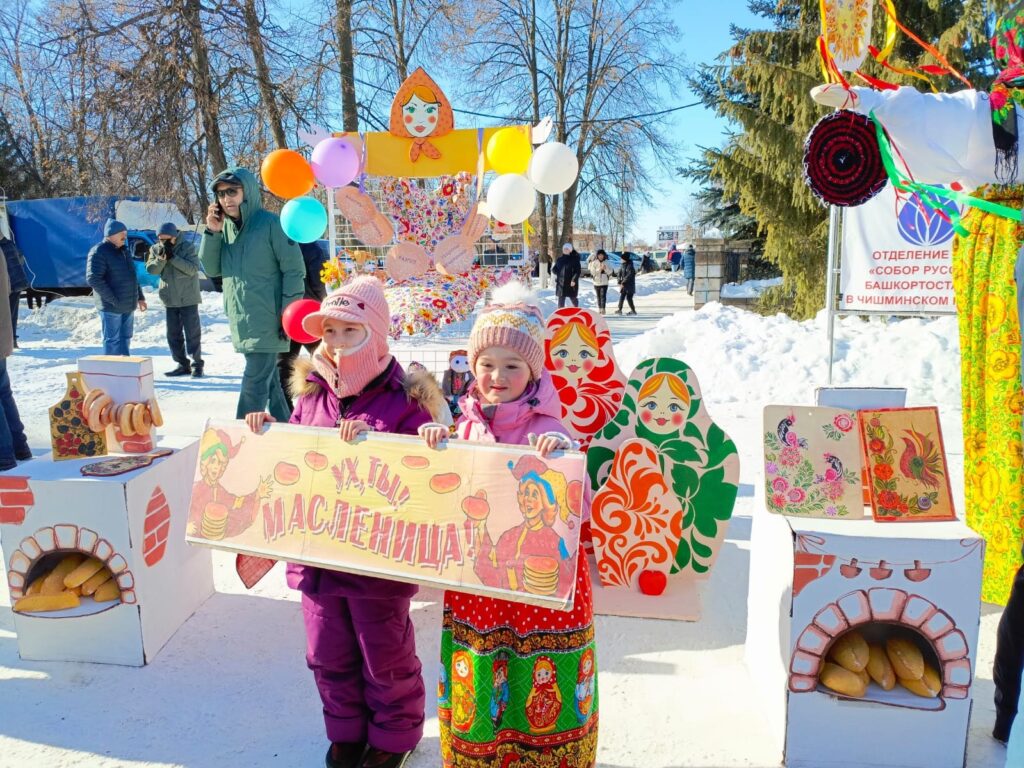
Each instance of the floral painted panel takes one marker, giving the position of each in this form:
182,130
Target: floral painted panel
906,461
812,462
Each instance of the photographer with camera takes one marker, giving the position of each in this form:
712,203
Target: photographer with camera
176,262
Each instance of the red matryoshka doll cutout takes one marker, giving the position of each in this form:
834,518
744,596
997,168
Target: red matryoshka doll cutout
421,112
579,356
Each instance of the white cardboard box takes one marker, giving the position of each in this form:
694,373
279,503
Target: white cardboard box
806,590
126,380
135,522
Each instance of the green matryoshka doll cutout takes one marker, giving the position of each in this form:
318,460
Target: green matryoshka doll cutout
665,478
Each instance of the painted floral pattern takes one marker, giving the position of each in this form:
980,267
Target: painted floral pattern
906,464
993,403
427,216
812,464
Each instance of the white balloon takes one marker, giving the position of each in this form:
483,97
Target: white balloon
553,168
511,198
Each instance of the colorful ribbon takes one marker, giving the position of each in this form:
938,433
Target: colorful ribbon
932,195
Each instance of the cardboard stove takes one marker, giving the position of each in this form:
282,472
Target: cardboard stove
135,524
812,580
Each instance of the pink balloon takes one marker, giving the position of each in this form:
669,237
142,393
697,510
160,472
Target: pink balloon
335,162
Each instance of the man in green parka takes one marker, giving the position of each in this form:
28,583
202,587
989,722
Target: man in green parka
263,273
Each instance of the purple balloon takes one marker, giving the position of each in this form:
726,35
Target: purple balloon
335,162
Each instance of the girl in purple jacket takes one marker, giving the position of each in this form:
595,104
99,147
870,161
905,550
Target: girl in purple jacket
360,642
537,664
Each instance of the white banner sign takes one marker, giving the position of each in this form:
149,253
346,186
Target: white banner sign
897,257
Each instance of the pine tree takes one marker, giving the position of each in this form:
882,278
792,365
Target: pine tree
761,84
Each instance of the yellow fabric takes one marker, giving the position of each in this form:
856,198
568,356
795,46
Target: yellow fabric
983,265
388,155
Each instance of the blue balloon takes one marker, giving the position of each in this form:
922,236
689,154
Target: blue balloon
304,219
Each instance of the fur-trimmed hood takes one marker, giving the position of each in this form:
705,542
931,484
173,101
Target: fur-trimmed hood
420,386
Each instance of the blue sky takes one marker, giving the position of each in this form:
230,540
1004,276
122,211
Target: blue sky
704,34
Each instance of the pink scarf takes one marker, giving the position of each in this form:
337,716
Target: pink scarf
348,373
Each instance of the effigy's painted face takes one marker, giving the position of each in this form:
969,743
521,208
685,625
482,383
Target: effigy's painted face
663,412
420,116
574,358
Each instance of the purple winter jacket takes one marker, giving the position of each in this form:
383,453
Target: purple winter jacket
392,402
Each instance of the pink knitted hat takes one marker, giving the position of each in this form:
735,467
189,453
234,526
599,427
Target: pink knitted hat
359,301
513,322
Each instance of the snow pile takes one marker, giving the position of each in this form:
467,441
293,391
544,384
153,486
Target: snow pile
750,289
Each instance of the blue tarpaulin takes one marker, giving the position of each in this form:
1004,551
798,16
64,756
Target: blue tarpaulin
56,234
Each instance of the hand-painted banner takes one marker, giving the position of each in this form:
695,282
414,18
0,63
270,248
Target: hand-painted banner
489,519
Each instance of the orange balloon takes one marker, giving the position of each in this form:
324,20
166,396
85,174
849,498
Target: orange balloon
287,174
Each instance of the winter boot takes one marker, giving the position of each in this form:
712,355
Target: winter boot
181,370
345,754
378,758
197,370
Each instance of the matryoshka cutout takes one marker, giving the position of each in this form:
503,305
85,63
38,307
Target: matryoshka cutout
420,112
661,453
579,356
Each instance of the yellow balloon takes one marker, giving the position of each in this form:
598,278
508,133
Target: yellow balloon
509,151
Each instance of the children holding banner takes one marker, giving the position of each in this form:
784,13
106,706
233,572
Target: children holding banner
360,642
545,658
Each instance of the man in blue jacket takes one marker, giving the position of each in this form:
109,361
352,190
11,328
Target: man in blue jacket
110,272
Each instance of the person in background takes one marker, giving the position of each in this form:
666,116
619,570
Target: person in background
674,257
314,257
602,272
15,263
110,272
627,284
646,263
567,276
178,266
688,261
13,443
263,273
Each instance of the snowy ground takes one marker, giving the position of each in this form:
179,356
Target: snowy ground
231,687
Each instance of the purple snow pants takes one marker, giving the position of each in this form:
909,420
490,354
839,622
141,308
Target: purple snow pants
363,656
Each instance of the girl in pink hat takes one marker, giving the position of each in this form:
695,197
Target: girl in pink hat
360,642
514,401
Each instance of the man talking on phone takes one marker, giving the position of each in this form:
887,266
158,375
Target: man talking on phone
263,273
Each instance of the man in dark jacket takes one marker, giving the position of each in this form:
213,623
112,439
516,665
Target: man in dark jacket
567,276
627,284
1008,664
263,273
19,280
688,261
110,272
178,266
314,257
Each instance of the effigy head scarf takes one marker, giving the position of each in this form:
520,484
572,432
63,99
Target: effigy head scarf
1007,93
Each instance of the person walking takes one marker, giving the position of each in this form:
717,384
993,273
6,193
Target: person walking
688,261
263,273
15,263
602,272
110,272
567,276
627,284
175,260
674,257
314,257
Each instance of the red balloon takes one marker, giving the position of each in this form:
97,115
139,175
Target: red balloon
293,316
